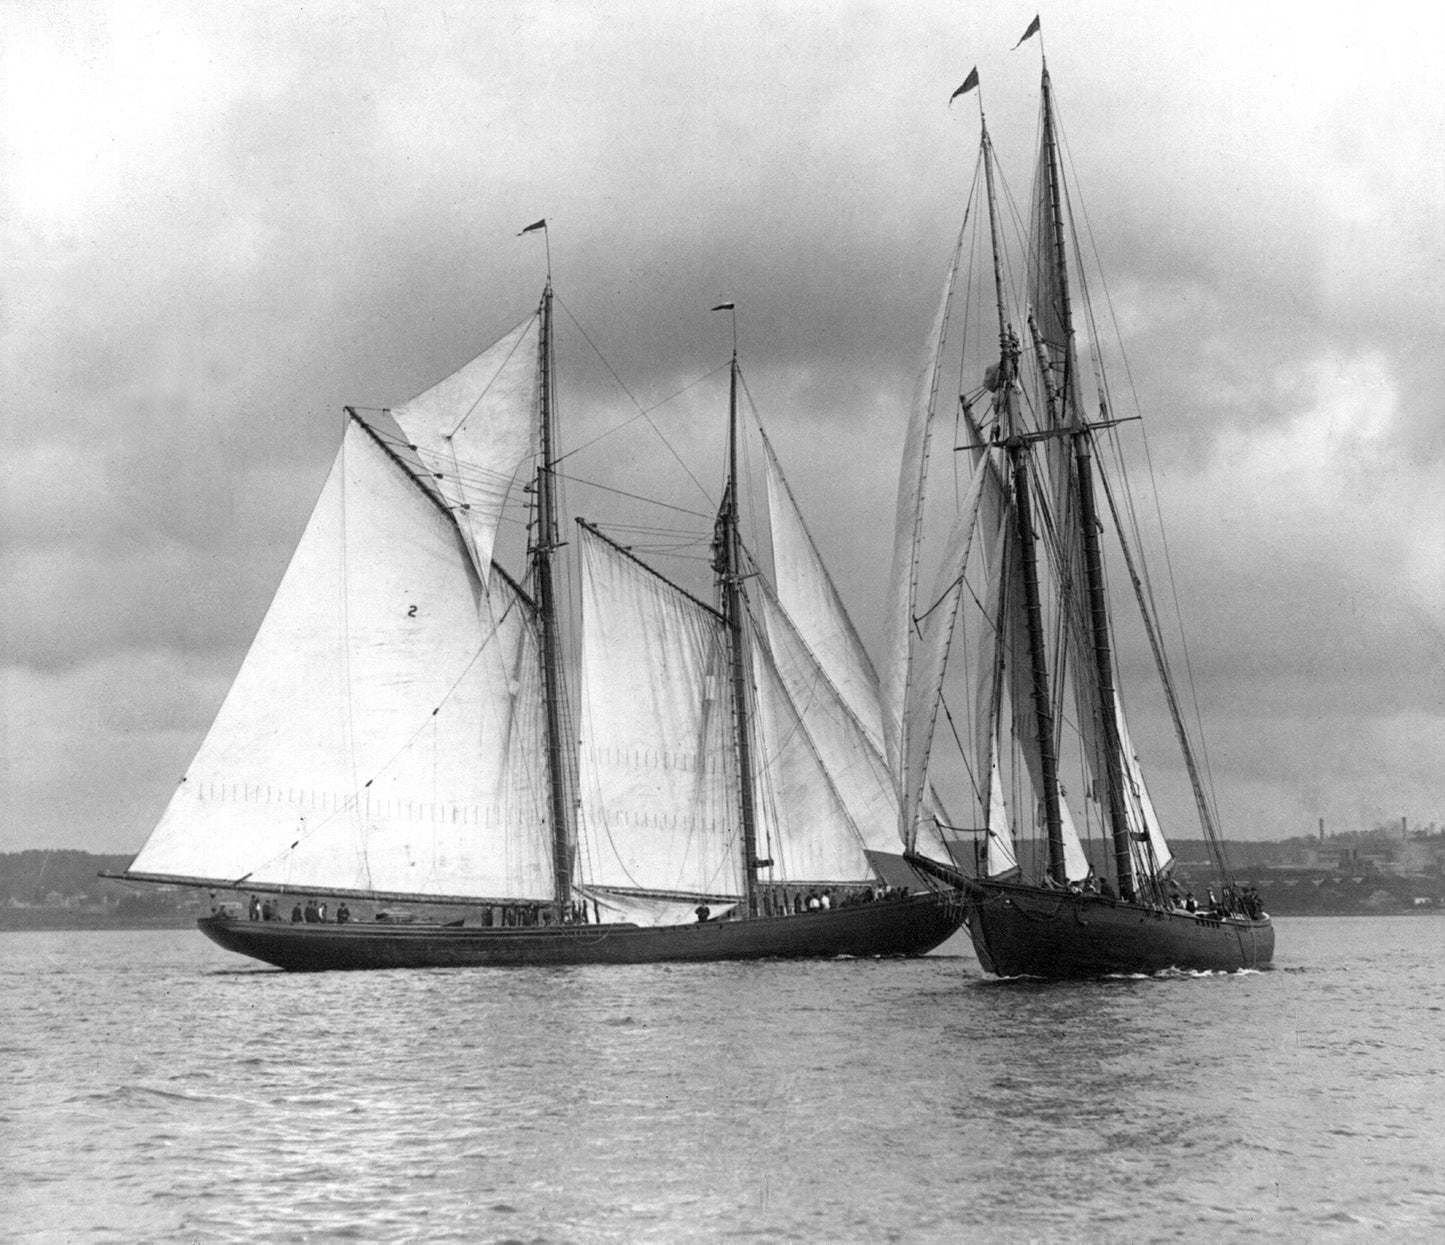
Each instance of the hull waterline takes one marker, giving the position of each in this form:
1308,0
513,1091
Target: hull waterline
903,927
1033,931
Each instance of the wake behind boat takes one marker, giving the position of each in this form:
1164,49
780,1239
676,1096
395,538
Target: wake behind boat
1019,620
402,728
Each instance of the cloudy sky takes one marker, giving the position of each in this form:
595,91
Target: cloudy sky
223,222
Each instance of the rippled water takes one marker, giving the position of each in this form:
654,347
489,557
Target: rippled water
161,1089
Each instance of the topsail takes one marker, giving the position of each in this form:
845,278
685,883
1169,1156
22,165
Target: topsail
475,429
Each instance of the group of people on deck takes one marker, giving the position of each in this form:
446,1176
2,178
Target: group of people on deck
785,901
312,913
1246,902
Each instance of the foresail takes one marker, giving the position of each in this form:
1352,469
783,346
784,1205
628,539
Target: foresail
384,732
659,787
475,429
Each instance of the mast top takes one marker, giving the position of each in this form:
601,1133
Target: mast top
733,309
547,239
970,83
1034,29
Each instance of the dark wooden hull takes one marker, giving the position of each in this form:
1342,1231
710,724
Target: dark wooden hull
1034,931
896,927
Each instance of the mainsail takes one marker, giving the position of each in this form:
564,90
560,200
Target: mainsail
384,732
659,794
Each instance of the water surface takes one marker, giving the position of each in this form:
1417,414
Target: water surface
162,1089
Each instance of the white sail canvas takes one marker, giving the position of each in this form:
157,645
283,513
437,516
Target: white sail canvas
474,431
384,731
659,792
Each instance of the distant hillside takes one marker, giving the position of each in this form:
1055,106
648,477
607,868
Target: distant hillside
28,877
60,889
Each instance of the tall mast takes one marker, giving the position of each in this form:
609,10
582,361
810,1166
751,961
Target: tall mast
544,579
729,568
1028,555
1103,661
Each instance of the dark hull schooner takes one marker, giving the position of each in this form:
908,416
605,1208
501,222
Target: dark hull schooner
896,927
1022,608
1034,931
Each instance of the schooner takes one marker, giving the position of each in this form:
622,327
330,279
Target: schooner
401,730
1020,614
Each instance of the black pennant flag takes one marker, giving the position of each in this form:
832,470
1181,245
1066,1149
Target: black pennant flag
724,307
1031,31
536,224
968,84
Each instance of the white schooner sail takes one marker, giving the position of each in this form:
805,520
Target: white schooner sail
474,431
384,733
394,731
659,785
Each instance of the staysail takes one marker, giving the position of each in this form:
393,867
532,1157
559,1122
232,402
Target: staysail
824,790
807,593
804,829
384,732
830,679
